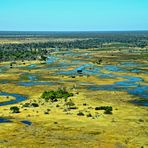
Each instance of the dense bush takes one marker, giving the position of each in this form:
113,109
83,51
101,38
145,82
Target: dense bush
89,115
55,95
108,109
30,104
34,105
104,108
15,109
80,113
32,51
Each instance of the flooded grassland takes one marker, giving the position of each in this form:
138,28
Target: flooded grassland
96,78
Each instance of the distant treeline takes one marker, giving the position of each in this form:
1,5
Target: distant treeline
31,51
72,34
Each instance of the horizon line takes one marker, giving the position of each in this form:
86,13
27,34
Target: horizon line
71,30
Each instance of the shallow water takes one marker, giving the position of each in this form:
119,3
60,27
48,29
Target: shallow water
33,83
31,66
108,76
18,98
131,85
141,91
114,68
52,59
26,122
32,77
87,69
129,64
4,120
59,66
4,81
3,69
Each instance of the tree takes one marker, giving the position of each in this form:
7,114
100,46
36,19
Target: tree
15,109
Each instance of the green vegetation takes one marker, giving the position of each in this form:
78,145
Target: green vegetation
30,105
71,105
53,96
15,109
108,109
87,116
104,108
34,105
33,51
26,105
80,113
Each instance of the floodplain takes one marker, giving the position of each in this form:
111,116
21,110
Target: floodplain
107,108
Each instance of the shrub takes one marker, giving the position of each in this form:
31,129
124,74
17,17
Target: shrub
104,108
80,113
70,103
26,105
89,115
57,105
72,107
108,109
34,105
49,95
15,109
84,104
55,95
46,112
48,109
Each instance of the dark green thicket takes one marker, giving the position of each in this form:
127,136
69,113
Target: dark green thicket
103,108
34,105
30,105
15,109
107,109
80,113
32,51
55,95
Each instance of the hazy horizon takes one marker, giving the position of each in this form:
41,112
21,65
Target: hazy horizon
73,31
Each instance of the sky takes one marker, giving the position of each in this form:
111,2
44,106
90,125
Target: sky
73,15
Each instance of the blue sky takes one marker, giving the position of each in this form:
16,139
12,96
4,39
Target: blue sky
73,15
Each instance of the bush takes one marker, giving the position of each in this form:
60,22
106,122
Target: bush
80,113
57,105
104,108
72,107
26,105
46,112
70,103
73,76
55,95
15,109
34,105
89,115
108,109
84,104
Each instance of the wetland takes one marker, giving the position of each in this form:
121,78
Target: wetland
74,90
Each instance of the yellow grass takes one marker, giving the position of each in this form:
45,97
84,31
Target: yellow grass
126,127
